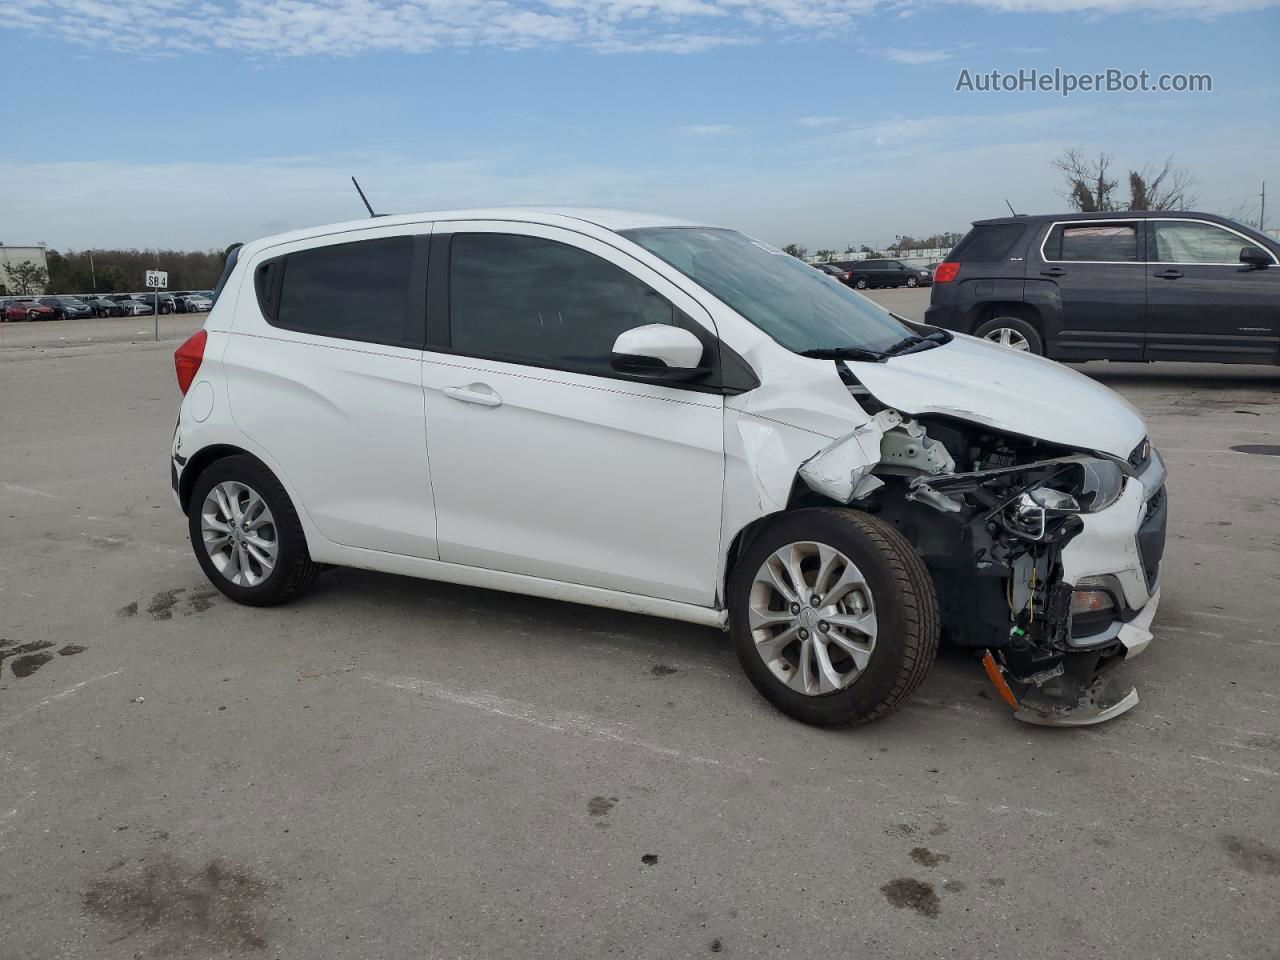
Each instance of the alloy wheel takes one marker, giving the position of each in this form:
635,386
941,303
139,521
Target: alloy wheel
812,618
1008,337
912,282
239,533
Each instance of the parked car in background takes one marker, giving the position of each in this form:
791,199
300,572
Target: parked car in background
1136,285
25,308
132,307
182,300
103,306
199,303
151,299
884,273
831,270
836,487
68,308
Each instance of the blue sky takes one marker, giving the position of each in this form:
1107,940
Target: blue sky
193,123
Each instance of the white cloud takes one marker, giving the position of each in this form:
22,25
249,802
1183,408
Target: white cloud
294,28
898,55
818,121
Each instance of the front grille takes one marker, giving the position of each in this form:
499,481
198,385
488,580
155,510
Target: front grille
1151,535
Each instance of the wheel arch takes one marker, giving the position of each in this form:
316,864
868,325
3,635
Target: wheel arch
800,498
202,460
1007,308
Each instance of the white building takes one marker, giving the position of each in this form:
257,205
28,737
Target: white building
13,254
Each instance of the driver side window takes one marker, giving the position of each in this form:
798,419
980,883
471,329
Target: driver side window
534,301
1192,241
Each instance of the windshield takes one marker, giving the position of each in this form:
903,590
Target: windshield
803,309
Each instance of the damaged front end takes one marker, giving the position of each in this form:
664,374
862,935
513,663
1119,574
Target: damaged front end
1037,551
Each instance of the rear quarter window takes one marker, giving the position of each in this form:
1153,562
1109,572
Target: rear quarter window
988,242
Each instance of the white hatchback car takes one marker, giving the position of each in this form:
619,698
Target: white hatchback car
634,412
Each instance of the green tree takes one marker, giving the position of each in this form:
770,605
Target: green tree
825,255
26,278
796,250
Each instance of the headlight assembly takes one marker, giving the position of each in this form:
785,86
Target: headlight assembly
1084,485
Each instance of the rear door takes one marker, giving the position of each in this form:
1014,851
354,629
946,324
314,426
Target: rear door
324,372
545,462
1202,302
1098,271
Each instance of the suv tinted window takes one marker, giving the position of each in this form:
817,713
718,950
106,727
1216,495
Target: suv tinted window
1190,241
356,291
988,243
1107,242
535,301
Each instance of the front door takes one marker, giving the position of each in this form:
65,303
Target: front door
1202,302
1098,271
545,462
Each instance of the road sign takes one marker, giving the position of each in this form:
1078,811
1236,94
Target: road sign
157,279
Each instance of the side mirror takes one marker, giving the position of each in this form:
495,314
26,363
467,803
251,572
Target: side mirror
658,350
1254,257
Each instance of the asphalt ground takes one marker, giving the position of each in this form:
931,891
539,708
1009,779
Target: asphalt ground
393,768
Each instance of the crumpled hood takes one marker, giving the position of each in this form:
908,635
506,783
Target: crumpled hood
985,383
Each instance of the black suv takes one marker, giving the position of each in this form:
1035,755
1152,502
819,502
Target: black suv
884,273
1136,285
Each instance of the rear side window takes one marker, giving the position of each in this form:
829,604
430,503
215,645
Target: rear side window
355,291
988,243
535,301
1097,242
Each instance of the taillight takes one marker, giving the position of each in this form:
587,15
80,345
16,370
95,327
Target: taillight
187,359
946,272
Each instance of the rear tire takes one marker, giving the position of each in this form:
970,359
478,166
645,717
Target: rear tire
894,589
1012,332
860,283
291,571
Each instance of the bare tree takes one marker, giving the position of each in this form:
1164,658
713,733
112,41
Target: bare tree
796,250
26,277
1168,189
825,255
1089,188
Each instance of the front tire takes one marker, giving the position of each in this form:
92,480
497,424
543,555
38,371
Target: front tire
246,533
860,283
833,616
912,282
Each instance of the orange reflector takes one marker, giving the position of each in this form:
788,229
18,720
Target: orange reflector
996,676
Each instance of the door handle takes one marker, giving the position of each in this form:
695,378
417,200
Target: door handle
479,393
1053,272
1168,274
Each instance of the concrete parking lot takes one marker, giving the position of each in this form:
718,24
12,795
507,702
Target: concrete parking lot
391,768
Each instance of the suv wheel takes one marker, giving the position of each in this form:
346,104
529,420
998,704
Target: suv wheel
833,616
912,282
1012,332
246,534
860,283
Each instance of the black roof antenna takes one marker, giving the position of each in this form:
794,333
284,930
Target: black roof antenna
365,199
1006,203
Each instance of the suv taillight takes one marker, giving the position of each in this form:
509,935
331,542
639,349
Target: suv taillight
946,272
187,359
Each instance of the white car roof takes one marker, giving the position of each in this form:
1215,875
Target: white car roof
603,217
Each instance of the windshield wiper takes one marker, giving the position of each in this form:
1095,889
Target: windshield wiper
845,353
916,343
